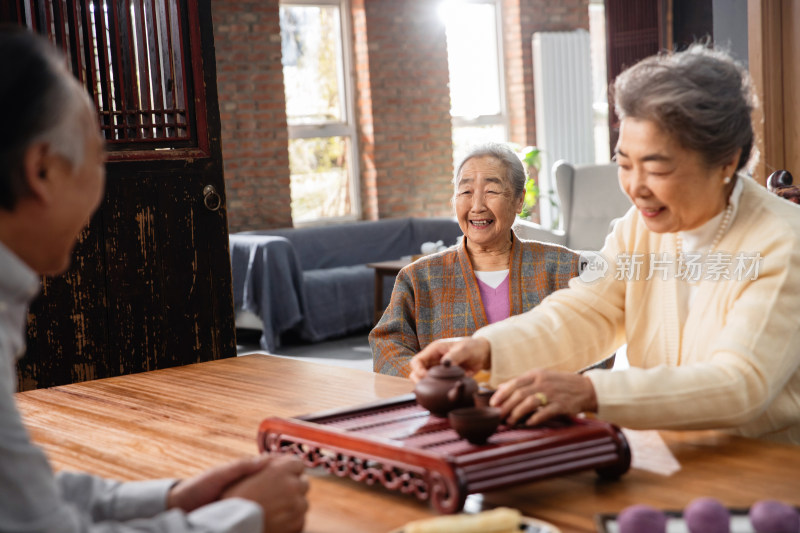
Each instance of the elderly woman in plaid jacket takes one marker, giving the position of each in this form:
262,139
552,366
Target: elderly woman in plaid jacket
489,276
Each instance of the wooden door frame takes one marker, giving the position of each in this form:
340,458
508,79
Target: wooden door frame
767,22
150,282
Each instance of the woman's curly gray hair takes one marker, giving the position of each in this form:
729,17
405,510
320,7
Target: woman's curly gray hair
702,97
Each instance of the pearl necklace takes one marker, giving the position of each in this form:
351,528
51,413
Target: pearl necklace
723,227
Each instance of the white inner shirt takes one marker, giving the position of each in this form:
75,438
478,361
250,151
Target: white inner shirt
492,278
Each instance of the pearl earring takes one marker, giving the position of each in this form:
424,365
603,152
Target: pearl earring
726,180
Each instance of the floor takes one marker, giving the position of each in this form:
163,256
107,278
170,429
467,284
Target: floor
351,351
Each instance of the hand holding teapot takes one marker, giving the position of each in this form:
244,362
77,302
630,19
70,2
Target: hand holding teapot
444,388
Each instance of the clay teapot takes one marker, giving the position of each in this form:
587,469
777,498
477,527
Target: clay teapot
445,388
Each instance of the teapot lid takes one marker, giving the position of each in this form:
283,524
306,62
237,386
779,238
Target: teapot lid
446,370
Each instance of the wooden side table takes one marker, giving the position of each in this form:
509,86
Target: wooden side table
382,269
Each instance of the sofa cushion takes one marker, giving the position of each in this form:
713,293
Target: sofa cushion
339,300
359,243
268,282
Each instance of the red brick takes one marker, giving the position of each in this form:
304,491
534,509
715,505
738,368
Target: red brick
402,102
255,150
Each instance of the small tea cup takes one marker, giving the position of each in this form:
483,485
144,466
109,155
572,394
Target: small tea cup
482,397
476,424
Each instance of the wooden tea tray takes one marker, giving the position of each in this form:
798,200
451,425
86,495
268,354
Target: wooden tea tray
403,447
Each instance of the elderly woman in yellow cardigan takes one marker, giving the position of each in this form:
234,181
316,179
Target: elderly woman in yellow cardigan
489,276
703,279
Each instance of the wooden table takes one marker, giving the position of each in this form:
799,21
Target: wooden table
177,421
383,269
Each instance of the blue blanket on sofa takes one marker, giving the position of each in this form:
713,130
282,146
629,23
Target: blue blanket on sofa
314,280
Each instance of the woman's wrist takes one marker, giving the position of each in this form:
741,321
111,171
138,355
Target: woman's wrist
487,362
484,351
590,405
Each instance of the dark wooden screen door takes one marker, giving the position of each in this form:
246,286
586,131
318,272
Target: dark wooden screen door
150,282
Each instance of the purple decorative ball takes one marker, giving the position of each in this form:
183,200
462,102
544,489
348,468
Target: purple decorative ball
641,519
707,515
770,516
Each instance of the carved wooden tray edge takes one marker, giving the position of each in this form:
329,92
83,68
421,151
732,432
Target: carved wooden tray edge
439,478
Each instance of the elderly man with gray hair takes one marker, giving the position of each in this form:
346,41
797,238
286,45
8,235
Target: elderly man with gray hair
52,174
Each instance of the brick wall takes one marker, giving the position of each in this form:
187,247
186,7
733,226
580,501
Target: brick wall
366,133
515,73
253,113
533,16
404,105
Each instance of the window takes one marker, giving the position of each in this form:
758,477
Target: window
319,110
474,53
597,32
135,59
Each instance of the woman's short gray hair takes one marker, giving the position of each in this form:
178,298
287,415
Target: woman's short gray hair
702,97
515,172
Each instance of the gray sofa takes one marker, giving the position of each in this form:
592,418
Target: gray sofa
313,282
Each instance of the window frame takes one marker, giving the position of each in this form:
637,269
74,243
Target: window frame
347,127
502,118
49,17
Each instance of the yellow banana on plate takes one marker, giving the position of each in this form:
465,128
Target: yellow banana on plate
500,520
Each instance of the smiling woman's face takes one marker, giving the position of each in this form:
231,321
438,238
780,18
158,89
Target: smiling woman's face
671,186
485,203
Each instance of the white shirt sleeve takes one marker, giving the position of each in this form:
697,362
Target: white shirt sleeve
33,500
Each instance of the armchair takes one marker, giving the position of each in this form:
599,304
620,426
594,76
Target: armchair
590,200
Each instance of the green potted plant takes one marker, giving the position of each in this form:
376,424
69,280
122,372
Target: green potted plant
531,156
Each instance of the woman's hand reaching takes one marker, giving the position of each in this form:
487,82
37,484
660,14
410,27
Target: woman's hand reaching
546,394
473,354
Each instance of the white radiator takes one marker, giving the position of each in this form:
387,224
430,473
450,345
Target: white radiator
562,82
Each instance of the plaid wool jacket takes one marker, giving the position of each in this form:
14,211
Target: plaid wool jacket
437,297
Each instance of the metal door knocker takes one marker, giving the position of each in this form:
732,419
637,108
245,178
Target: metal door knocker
211,198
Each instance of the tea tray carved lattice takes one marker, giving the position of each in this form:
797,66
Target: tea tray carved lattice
403,447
